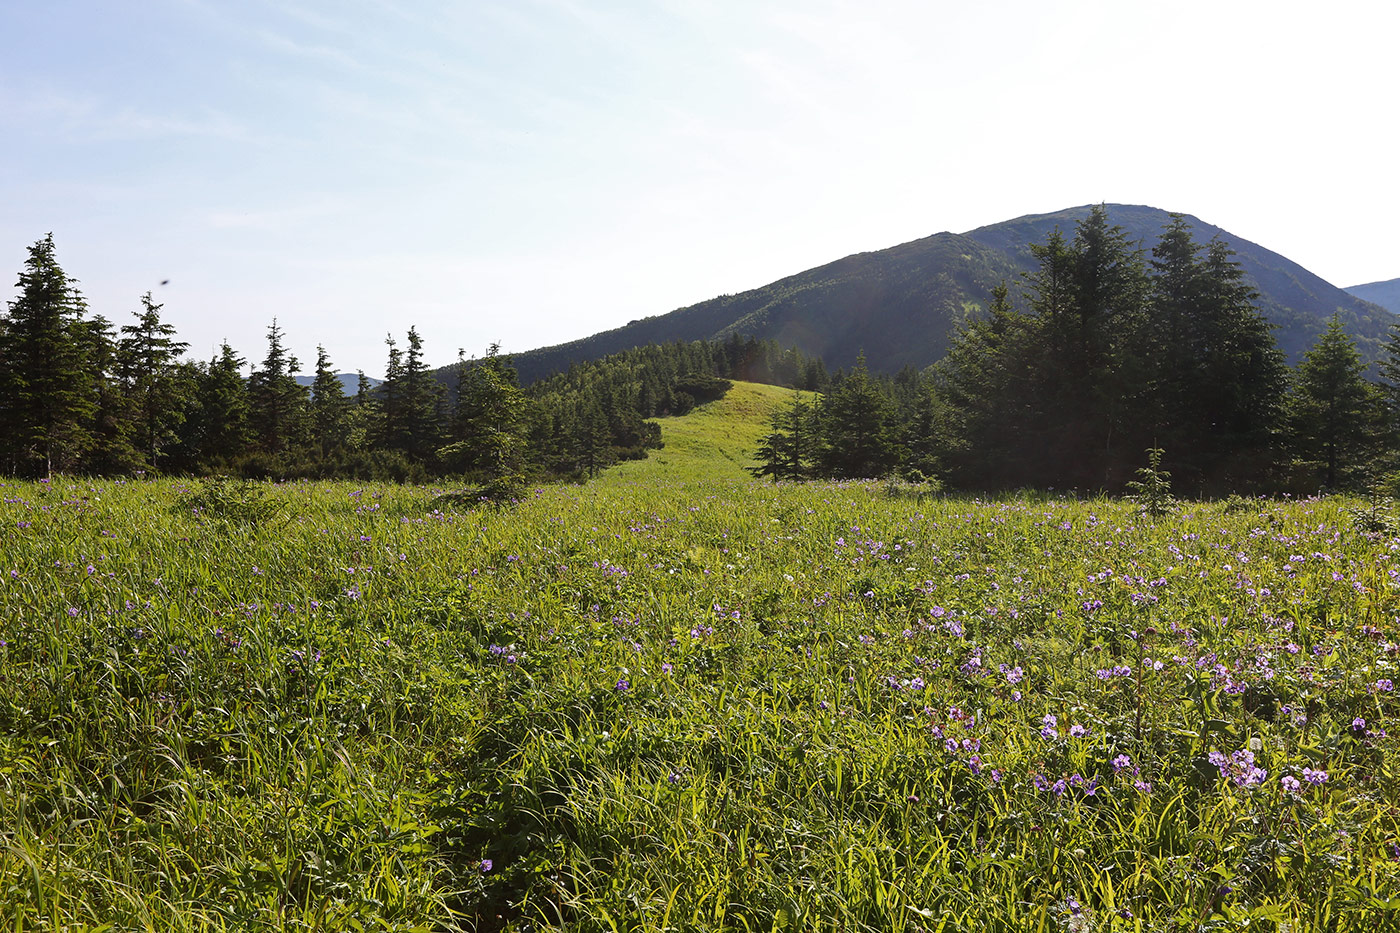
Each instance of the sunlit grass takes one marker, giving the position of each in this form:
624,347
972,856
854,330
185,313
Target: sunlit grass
678,705
714,442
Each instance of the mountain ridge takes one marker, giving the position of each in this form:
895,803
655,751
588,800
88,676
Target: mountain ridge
901,305
1386,294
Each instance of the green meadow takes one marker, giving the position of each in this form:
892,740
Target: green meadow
676,698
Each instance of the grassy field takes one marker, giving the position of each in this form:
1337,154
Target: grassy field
713,443
659,702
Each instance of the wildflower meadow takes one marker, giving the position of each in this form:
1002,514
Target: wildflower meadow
692,705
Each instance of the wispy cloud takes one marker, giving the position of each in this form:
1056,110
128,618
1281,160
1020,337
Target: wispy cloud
54,112
284,219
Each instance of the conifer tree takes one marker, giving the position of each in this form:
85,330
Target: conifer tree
418,434
328,407
856,429
46,403
591,440
148,356
389,420
1335,414
1389,367
277,404
114,433
222,434
1217,375
990,389
488,425
785,453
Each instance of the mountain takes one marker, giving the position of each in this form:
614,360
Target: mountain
901,305
349,382
1385,294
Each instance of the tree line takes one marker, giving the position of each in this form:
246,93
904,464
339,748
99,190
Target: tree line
80,395
1110,351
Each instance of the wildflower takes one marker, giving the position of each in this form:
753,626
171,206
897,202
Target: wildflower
1048,724
1143,787
1358,724
487,864
1239,768
1384,685
1315,777
1078,731
624,685
1121,763
1290,784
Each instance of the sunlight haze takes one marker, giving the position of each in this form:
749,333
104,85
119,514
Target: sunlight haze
534,171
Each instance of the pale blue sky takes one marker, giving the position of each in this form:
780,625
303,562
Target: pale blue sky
534,171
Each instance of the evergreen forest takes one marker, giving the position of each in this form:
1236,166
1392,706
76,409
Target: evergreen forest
1106,352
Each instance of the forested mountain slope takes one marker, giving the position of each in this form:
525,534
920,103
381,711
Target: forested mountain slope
901,305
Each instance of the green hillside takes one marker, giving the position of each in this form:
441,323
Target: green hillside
714,441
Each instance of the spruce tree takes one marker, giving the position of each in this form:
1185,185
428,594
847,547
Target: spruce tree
1217,375
148,356
277,404
488,425
114,433
785,452
1335,414
46,406
990,387
222,413
418,433
389,419
856,422
328,407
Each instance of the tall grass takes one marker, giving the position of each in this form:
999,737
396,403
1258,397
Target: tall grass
687,706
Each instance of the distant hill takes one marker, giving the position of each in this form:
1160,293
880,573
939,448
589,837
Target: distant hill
1385,294
349,382
901,305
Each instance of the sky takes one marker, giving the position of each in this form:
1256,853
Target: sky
528,172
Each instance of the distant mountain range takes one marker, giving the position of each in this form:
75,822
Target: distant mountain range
901,305
1385,294
349,382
